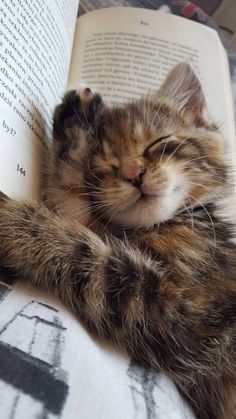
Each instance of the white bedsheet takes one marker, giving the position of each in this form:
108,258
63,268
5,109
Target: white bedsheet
50,367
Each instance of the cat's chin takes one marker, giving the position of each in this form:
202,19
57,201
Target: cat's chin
145,199
147,211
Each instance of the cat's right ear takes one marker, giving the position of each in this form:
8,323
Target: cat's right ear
78,109
184,88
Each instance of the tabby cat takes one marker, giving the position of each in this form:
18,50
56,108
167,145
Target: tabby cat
133,234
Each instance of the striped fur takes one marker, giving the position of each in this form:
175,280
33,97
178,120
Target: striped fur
156,277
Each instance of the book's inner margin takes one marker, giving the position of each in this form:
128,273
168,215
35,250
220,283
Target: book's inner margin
35,48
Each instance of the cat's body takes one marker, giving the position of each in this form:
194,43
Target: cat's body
155,268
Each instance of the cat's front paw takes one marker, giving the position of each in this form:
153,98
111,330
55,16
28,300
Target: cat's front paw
78,108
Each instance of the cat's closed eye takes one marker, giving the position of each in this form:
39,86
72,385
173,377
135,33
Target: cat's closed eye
151,146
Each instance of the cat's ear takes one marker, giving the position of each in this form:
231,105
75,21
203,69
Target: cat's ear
78,109
184,88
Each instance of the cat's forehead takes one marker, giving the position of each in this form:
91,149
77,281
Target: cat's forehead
137,124
127,138
152,109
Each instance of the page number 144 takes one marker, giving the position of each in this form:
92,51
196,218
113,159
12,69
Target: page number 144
20,169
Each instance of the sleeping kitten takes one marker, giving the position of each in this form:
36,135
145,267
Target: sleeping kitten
155,269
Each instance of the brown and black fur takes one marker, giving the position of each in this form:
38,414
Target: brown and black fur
164,291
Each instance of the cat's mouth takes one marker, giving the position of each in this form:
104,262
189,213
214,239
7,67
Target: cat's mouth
146,198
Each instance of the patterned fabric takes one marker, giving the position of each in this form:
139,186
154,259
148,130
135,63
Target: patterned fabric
188,9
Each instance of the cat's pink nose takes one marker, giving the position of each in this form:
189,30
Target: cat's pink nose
133,173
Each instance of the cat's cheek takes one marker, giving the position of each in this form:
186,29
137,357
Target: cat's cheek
81,213
84,216
72,207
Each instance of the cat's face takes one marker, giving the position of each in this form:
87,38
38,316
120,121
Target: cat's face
151,160
150,163
148,160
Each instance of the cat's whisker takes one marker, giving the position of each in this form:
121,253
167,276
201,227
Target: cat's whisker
209,216
218,180
74,189
81,194
155,116
92,186
93,174
163,151
84,209
147,103
144,110
101,203
102,215
113,214
85,128
220,124
199,158
77,114
218,177
204,187
89,125
96,206
178,146
148,110
189,211
108,202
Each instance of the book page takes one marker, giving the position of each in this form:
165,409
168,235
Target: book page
36,40
124,53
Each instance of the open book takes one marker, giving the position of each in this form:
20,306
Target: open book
49,366
121,53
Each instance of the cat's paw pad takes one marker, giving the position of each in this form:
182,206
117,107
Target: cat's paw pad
78,108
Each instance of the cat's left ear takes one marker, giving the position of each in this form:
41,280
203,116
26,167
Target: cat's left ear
184,88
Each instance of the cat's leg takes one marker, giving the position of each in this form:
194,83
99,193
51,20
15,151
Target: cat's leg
114,290
117,292
74,128
70,260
